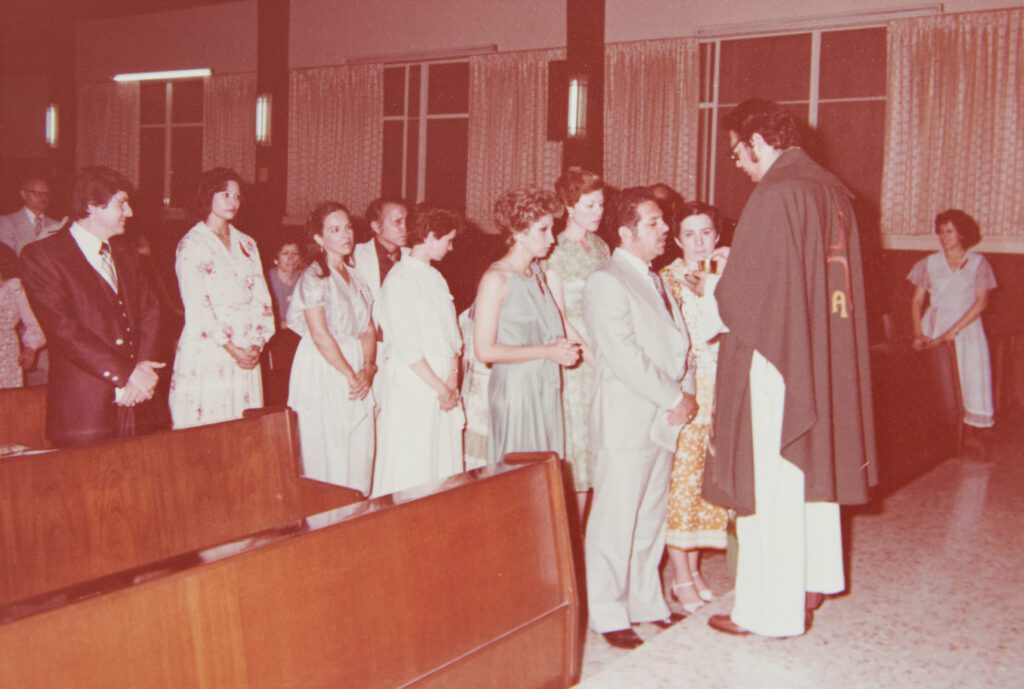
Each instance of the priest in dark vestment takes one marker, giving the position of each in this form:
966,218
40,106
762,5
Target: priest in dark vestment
793,429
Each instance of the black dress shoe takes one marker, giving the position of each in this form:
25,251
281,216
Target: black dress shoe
623,638
670,620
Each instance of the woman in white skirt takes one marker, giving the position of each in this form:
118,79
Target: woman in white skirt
334,364
957,283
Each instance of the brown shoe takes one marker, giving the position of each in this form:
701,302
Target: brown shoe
724,624
813,600
669,621
623,638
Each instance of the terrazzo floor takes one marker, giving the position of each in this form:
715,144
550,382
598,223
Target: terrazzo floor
935,599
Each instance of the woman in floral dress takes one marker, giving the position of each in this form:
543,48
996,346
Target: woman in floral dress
579,253
693,523
228,312
16,354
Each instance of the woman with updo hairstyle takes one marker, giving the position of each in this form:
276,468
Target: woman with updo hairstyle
228,311
518,331
579,251
333,368
693,523
420,434
957,283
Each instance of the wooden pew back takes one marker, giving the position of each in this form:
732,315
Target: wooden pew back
80,513
469,586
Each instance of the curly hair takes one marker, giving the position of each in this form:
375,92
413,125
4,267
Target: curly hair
428,219
574,183
966,226
94,186
315,228
212,182
516,210
776,125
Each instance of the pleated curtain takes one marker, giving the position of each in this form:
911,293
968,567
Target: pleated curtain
508,146
108,127
954,125
651,107
335,145
229,123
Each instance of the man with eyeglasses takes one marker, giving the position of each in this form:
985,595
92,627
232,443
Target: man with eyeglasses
29,223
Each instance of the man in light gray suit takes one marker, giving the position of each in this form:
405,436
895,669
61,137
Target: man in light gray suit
641,348
29,223
22,227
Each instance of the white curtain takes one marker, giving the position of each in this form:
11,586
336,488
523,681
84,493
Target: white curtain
229,123
335,137
954,124
651,99
108,127
508,146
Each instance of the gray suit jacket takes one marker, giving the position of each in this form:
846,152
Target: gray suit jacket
16,229
641,355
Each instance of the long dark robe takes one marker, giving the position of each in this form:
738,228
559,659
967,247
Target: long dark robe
793,290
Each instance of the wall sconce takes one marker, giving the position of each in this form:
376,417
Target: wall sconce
264,103
166,74
576,126
52,131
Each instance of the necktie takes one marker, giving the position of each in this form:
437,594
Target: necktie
107,265
660,286
37,228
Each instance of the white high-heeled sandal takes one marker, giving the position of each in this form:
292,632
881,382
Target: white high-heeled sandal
688,608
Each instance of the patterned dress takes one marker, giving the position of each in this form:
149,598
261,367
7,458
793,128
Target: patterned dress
692,521
226,300
574,264
14,309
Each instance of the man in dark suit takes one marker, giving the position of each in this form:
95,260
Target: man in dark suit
98,313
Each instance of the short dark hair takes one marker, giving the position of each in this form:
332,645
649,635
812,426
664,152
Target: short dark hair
691,208
966,226
210,183
574,183
376,207
776,125
624,213
315,226
94,186
428,219
516,210
9,266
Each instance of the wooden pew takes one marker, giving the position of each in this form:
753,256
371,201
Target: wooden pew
467,584
80,513
23,416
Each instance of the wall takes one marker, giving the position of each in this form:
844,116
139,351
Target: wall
634,20
325,32
222,37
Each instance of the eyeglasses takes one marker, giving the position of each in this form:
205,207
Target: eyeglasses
36,192
734,155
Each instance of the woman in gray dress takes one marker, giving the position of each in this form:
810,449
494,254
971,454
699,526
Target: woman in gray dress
518,330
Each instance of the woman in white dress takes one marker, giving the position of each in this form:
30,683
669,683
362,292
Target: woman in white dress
228,312
334,365
957,283
421,424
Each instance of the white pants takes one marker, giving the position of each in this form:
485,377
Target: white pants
788,547
626,537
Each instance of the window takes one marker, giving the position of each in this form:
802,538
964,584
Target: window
170,141
426,132
835,80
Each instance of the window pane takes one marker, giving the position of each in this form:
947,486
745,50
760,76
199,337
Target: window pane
152,102
187,101
186,164
412,157
776,67
853,63
414,90
447,153
845,129
449,88
394,91
151,165
391,174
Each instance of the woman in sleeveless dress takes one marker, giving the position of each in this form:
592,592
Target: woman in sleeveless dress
577,253
957,283
518,330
